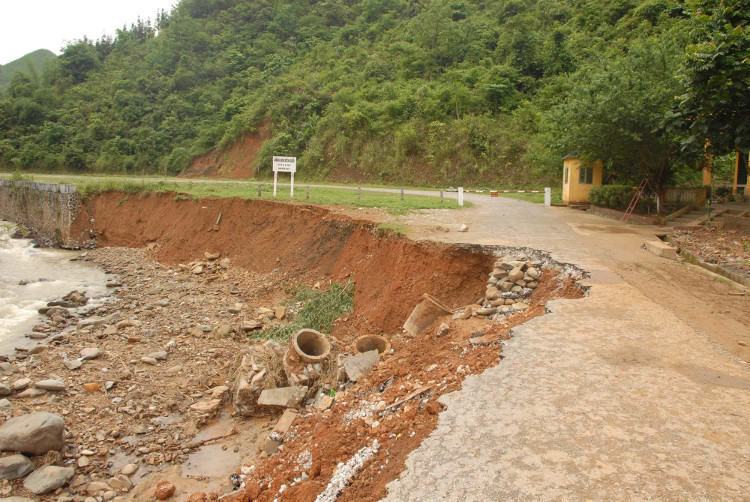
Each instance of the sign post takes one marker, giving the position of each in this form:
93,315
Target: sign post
460,196
284,165
547,197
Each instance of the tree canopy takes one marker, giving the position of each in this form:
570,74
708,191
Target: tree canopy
463,91
715,106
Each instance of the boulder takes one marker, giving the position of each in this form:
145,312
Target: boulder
359,365
15,467
35,434
47,479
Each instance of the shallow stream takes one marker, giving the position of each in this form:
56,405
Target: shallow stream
30,277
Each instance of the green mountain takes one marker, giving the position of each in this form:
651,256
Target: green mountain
419,91
36,59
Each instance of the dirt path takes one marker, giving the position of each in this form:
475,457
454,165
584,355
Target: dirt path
638,391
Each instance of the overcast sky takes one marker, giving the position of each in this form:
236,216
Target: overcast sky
28,25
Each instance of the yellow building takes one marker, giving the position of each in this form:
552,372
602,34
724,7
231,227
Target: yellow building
579,176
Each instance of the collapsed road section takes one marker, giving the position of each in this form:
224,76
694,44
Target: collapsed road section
275,353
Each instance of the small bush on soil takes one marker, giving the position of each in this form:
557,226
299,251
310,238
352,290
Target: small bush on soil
319,309
611,196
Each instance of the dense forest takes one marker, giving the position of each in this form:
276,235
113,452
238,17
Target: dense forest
431,91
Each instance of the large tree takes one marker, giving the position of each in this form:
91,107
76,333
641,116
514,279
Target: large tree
614,111
716,74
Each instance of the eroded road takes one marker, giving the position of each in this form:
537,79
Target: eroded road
639,391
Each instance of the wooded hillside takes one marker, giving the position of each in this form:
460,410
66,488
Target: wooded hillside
461,91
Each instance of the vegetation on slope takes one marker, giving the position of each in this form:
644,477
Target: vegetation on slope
459,91
32,63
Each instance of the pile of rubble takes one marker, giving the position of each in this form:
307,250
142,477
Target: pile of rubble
509,288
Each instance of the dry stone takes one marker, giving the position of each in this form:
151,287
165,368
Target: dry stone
48,478
35,434
15,466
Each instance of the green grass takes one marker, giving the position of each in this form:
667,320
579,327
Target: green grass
394,227
537,198
90,185
319,310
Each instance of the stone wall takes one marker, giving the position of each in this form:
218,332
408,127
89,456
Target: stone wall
47,210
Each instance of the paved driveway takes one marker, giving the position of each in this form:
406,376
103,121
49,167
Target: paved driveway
638,391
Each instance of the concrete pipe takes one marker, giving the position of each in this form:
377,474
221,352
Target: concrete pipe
424,314
311,346
367,343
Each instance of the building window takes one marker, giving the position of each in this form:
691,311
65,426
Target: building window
585,175
566,175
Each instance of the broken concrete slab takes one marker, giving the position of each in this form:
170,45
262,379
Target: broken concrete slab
324,402
661,249
288,397
359,365
285,422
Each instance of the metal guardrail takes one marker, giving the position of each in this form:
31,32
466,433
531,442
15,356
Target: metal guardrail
42,187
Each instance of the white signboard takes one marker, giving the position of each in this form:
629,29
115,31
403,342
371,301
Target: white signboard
284,165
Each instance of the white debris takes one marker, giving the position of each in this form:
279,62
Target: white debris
345,472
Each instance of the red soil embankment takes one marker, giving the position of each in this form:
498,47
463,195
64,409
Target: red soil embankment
391,272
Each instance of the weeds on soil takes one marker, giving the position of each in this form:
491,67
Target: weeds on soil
319,310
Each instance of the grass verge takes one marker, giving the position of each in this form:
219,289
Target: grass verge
88,186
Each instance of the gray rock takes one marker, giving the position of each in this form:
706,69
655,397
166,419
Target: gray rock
359,365
14,467
91,321
149,360
443,329
6,405
160,355
533,273
35,434
16,499
5,390
48,478
55,385
129,469
72,365
90,353
7,368
31,393
21,383
486,311
288,397
515,274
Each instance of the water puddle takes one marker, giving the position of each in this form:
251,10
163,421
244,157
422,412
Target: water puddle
221,458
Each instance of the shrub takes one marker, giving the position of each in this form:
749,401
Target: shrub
611,196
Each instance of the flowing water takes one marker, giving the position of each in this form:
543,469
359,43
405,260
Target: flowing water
30,277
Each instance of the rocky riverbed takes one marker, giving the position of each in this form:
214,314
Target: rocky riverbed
149,392
136,378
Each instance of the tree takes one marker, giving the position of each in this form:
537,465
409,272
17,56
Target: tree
78,60
615,109
716,76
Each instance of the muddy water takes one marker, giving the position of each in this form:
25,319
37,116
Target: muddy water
30,277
